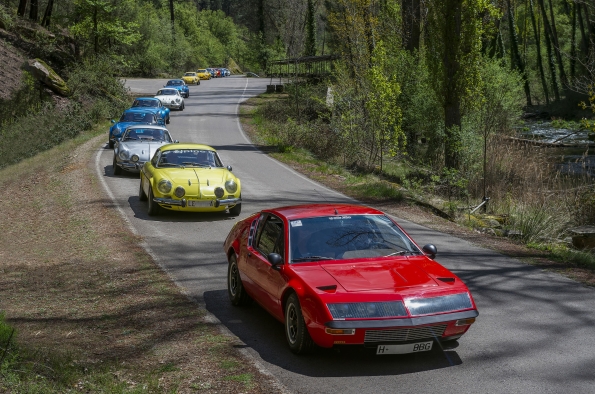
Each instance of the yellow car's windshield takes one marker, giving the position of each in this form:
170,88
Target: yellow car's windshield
189,158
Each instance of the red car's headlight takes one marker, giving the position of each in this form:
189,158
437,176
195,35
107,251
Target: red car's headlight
449,303
363,310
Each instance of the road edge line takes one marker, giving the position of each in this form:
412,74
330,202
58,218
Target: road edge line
209,317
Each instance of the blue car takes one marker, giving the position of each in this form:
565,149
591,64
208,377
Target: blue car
152,104
130,117
180,85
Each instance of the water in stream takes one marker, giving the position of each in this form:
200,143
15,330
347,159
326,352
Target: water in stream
576,158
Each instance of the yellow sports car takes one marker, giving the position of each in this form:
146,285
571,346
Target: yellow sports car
191,78
189,177
203,73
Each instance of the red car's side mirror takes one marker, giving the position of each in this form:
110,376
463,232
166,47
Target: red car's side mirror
430,250
276,260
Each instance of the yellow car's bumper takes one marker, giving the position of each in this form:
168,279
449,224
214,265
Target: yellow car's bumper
204,205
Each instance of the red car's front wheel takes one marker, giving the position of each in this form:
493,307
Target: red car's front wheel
296,332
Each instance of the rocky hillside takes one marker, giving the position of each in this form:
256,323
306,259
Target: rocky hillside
21,41
13,60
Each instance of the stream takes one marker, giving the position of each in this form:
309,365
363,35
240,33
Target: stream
577,157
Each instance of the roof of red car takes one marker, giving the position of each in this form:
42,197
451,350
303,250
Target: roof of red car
313,210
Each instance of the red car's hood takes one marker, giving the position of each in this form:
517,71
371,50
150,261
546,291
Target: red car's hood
379,275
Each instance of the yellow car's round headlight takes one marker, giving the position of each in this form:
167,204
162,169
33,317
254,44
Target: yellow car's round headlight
231,186
164,186
179,192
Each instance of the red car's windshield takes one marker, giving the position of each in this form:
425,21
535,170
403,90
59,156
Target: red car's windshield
347,237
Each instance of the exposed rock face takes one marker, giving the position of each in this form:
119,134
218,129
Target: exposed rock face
44,73
10,72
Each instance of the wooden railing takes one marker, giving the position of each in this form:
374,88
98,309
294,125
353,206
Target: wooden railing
302,67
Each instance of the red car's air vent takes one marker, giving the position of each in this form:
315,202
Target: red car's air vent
328,289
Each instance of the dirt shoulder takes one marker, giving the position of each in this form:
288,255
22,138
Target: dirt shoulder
79,288
414,212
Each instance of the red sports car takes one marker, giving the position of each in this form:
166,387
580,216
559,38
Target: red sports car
339,274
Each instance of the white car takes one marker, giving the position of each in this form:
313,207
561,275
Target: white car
170,98
137,145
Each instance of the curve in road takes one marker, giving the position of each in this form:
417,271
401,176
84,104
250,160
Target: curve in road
535,332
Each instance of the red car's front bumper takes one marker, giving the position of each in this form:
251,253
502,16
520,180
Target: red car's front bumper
368,332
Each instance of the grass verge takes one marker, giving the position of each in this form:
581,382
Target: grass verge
376,190
90,309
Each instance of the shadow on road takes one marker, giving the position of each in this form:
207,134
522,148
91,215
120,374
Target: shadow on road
263,333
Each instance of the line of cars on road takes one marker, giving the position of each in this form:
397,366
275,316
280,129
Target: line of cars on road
333,274
173,176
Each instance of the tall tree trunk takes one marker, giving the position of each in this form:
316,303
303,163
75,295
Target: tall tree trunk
538,48
548,47
34,10
310,45
452,98
47,15
591,28
515,56
573,42
371,39
584,35
557,49
22,8
411,17
497,46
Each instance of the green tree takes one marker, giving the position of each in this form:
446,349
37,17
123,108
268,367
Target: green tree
102,24
385,115
454,45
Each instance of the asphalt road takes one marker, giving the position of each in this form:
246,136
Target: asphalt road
535,332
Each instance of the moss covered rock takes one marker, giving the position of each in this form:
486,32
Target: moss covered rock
44,73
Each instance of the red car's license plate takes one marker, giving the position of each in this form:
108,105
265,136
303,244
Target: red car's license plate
404,349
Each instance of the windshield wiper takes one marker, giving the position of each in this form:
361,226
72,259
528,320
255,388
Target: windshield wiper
402,252
170,165
312,258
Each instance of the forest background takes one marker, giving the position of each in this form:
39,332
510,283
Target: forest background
424,93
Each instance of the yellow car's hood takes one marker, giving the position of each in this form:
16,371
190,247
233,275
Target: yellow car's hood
211,176
198,182
185,177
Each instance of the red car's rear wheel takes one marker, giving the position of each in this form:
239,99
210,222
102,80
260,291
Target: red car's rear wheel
235,288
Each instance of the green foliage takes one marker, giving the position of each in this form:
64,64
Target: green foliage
104,24
382,106
96,96
5,18
566,255
537,222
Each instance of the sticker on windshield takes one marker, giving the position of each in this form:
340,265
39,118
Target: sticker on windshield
339,217
296,223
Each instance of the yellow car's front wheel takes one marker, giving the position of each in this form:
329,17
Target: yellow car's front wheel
154,208
236,209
